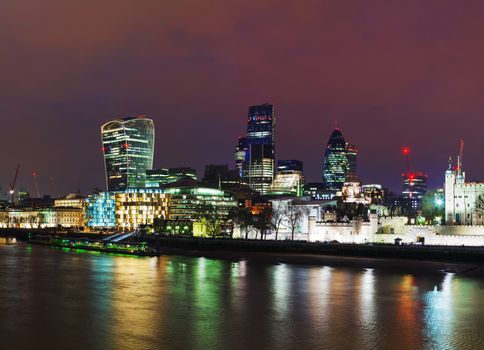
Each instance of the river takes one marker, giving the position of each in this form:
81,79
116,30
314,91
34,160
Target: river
53,298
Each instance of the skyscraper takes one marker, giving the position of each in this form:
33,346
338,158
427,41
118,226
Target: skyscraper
258,167
351,154
240,153
414,187
128,151
336,165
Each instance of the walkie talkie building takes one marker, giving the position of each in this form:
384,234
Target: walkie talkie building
127,145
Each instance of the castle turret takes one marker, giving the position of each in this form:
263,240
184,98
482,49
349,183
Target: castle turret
449,188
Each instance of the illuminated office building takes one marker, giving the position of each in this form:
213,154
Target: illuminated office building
339,163
414,188
414,185
132,208
189,203
176,174
289,179
156,178
286,184
70,201
258,166
128,152
135,207
375,192
351,155
289,165
240,153
161,177
317,191
100,210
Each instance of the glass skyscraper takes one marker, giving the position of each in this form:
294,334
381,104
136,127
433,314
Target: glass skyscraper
240,153
258,167
351,155
338,162
128,152
414,187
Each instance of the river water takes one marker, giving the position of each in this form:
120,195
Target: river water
61,299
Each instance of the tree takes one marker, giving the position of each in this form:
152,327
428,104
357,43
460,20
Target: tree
209,216
433,205
40,219
294,215
243,218
262,221
212,217
31,220
278,215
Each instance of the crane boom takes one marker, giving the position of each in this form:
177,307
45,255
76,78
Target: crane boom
13,184
34,176
461,154
406,154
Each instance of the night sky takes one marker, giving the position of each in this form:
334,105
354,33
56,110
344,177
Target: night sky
392,73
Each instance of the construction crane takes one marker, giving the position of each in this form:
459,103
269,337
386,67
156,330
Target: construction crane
406,154
13,184
459,159
34,176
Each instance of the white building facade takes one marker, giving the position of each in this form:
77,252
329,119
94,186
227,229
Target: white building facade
464,201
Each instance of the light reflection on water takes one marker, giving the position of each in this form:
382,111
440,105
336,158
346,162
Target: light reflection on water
56,299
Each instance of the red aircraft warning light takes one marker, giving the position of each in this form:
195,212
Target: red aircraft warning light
406,154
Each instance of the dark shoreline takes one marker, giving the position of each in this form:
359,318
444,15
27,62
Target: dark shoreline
408,259
387,264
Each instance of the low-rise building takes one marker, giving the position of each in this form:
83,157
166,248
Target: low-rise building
100,210
135,207
72,200
132,208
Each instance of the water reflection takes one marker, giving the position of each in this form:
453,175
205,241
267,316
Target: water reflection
439,315
367,313
99,301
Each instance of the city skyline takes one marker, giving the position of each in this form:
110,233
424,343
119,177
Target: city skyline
392,181
415,83
241,174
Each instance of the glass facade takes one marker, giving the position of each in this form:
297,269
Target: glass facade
100,210
414,187
336,166
351,154
135,207
287,184
317,191
258,167
131,208
289,179
289,165
128,152
240,153
160,177
189,203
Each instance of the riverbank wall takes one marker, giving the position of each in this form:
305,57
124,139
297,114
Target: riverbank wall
181,245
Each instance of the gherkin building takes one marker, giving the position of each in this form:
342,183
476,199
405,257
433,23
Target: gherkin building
336,165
